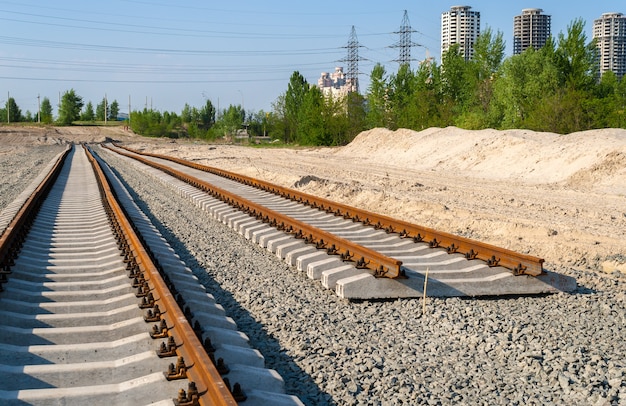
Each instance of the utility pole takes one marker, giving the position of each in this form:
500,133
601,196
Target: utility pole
129,111
405,44
8,108
352,74
38,108
105,109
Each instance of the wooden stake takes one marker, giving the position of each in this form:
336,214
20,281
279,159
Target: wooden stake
424,298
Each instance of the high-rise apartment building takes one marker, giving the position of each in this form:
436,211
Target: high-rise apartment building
609,31
336,84
460,26
530,29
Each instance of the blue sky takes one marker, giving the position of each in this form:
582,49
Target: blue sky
163,54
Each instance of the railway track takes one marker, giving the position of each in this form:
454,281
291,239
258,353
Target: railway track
96,308
361,255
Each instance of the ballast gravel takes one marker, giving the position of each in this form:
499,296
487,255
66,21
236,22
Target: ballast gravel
20,166
562,349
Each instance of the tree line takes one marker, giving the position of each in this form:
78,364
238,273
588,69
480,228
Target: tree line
72,109
556,88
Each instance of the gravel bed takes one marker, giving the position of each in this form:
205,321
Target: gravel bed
554,349
20,166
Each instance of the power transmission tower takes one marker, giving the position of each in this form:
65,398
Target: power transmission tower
404,44
352,73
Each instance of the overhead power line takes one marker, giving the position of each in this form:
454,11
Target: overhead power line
352,72
405,44
113,48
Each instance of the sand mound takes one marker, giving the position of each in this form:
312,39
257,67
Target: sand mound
581,158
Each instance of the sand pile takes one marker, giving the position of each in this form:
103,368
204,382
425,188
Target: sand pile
583,159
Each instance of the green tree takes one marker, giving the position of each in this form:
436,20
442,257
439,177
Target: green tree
425,106
14,114
355,120
311,130
561,113
488,53
402,90
230,121
604,107
46,111
576,58
571,107
278,121
620,104
297,89
114,110
378,107
88,113
186,114
71,105
488,56
101,109
524,81
458,79
207,115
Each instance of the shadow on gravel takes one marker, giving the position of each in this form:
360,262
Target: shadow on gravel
297,381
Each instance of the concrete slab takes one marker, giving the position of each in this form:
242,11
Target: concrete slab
244,223
281,250
249,231
302,262
262,398
256,378
263,239
315,269
292,256
503,282
256,235
331,276
273,243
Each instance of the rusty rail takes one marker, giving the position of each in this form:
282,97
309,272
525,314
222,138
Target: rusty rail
18,227
363,257
472,249
199,368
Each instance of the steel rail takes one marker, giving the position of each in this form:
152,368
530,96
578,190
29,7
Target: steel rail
380,264
199,367
18,227
493,255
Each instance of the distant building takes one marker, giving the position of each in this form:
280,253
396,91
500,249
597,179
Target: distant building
530,29
609,31
460,26
336,84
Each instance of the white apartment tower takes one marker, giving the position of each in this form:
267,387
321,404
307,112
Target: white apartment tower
460,26
609,31
337,84
530,29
